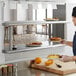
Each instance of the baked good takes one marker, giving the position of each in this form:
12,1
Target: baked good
35,43
53,56
52,19
38,60
55,39
49,62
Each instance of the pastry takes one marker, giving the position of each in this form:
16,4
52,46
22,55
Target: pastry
35,43
38,60
51,19
49,62
55,39
53,56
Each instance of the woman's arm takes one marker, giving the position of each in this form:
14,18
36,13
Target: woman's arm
69,43
66,58
74,58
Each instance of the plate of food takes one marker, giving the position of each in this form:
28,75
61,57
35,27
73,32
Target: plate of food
51,19
34,44
55,39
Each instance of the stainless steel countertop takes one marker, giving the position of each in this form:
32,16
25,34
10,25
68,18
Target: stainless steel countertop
21,69
34,72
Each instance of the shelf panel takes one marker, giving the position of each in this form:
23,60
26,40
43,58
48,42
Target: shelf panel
32,22
24,48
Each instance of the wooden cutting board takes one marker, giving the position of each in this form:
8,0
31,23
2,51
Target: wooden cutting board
67,67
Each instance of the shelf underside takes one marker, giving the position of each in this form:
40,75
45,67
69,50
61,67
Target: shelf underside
24,48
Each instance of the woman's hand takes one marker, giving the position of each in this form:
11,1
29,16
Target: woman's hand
63,41
69,43
66,58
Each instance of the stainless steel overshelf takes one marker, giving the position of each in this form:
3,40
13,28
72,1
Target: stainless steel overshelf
40,0
24,48
8,23
17,23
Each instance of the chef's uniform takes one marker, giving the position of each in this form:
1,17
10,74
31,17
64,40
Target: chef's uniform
74,39
74,45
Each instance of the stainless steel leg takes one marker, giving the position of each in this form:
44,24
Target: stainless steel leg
65,31
49,30
10,37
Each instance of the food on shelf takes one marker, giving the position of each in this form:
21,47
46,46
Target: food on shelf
55,39
38,60
34,44
49,62
53,56
52,19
